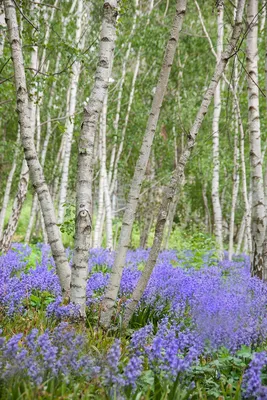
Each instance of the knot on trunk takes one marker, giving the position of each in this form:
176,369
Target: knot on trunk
84,221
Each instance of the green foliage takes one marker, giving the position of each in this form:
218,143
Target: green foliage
68,226
221,374
200,244
40,300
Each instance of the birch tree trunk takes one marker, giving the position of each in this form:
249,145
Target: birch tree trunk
118,110
83,222
217,212
235,173
100,210
206,206
258,207
241,234
149,204
43,154
10,230
76,67
36,171
242,136
2,29
8,186
108,210
119,152
24,175
244,182
234,191
178,176
263,16
129,215
265,147
48,29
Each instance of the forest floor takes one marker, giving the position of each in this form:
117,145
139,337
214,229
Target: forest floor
199,333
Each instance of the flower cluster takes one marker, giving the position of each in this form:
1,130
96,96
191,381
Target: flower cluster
194,311
224,305
41,356
252,379
63,354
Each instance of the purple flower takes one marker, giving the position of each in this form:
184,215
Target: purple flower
133,370
252,382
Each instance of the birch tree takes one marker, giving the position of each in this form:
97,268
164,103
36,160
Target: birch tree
235,171
217,211
120,91
2,28
24,175
19,199
76,67
141,165
258,207
178,176
8,186
27,138
92,111
43,154
108,210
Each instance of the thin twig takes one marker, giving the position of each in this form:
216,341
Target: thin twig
45,4
4,102
24,16
6,79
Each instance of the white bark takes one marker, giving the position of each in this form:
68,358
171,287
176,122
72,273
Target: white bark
207,210
24,176
169,221
43,65
129,215
118,110
263,16
2,29
242,136
148,203
119,152
265,146
235,174
8,186
57,172
34,206
10,230
76,68
43,157
234,191
258,207
83,222
178,176
100,209
108,210
241,234
217,211
36,171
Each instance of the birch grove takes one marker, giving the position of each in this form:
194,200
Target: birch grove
128,219
128,128
71,111
28,144
178,176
